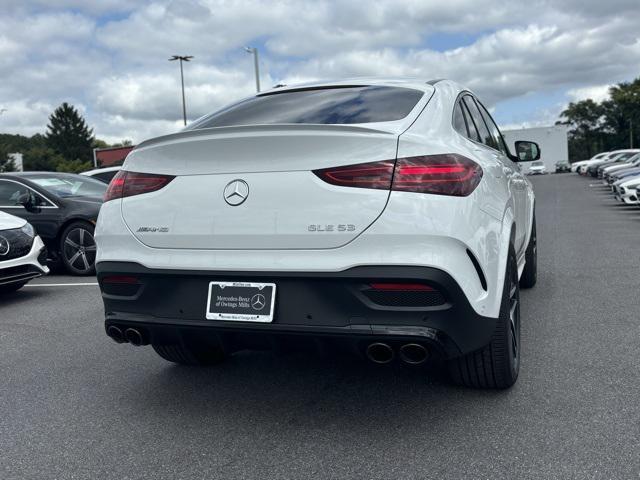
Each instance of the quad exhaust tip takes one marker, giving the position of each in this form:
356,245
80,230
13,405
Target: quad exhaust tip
116,334
410,353
133,336
130,335
380,353
414,353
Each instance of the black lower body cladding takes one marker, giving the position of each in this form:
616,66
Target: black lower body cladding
166,305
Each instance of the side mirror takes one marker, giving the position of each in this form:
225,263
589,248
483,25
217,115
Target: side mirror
527,151
29,202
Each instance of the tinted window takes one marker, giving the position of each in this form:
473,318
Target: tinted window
459,122
485,136
473,131
318,106
493,129
11,193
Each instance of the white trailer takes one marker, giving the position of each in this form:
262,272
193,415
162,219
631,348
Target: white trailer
552,140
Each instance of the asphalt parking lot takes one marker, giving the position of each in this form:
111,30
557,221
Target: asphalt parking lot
73,404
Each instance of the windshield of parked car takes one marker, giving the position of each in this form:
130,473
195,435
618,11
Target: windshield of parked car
623,156
635,159
334,105
71,186
539,163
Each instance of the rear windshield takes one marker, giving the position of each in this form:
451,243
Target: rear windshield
344,105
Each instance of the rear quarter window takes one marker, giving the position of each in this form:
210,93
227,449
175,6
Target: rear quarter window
342,106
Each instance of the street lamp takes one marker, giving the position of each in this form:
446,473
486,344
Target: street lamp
182,58
254,51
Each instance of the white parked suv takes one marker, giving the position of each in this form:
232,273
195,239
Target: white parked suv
537,168
23,256
385,216
627,191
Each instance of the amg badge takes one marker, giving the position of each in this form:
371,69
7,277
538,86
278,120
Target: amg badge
341,227
152,230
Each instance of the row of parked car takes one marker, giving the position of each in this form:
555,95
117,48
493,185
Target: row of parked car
62,208
619,170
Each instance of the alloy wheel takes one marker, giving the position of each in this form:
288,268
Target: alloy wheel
80,249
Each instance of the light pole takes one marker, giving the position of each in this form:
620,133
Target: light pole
182,58
254,51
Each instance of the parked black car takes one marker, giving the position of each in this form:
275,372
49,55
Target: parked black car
562,166
63,208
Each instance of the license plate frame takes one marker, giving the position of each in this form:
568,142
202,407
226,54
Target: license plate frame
242,301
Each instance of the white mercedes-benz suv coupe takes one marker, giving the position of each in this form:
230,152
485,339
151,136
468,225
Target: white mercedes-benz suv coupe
387,217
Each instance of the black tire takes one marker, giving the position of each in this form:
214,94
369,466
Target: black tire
530,273
497,364
191,355
78,249
14,287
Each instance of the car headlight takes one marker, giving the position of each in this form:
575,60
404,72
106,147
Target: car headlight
28,229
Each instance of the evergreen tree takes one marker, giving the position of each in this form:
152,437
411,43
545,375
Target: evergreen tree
69,135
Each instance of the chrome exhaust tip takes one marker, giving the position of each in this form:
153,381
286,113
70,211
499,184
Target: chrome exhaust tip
115,334
133,336
380,353
414,353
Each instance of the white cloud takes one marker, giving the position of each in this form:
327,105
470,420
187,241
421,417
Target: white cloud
597,93
112,55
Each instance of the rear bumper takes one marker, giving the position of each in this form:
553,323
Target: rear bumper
167,305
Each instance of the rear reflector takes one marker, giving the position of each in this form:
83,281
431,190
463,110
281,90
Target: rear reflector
127,184
445,174
120,279
405,287
120,285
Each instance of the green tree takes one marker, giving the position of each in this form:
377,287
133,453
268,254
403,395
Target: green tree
73,166
622,113
123,143
585,120
41,159
97,143
609,125
69,135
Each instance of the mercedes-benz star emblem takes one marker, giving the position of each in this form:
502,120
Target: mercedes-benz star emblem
258,301
236,192
4,246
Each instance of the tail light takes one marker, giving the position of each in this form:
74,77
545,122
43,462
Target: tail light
376,175
127,184
446,174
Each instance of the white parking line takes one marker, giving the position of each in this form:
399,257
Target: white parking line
62,285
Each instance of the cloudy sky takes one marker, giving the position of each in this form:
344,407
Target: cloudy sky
525,59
